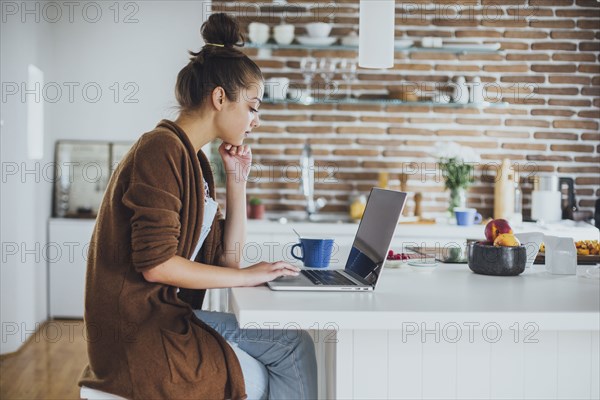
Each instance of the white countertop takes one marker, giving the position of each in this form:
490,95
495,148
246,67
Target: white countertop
567,228
576,230
449,294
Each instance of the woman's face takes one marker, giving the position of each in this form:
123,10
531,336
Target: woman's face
239,117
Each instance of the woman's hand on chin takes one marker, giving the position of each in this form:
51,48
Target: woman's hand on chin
237,161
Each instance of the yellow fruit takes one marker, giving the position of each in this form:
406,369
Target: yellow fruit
507,240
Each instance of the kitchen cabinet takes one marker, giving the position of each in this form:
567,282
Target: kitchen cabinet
67,255
68,244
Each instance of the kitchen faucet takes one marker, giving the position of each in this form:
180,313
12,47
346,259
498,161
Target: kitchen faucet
307,182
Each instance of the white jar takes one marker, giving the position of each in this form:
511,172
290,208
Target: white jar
476,91
461,91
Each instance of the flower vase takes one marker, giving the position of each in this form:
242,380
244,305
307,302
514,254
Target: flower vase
458,199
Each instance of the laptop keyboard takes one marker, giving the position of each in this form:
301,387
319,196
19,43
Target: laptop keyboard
327,277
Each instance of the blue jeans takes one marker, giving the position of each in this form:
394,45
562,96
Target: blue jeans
280,362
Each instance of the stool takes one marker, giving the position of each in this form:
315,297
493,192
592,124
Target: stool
93,394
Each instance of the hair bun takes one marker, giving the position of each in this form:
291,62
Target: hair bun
221,28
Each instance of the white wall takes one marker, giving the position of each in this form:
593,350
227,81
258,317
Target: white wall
24,197
148,54
73,51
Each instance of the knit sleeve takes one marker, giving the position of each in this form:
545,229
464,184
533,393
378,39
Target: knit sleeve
154,197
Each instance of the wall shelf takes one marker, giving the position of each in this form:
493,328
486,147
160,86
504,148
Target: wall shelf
383,101
457,49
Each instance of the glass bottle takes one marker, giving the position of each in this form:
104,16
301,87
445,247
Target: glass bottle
358,203
518,208
382,179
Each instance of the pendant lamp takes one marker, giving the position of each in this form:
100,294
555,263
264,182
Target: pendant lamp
376,34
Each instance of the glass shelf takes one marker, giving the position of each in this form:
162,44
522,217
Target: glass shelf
457,49
383,101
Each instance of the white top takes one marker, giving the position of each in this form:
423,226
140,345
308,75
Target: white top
449,294
210,210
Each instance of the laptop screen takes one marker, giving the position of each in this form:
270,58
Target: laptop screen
375,233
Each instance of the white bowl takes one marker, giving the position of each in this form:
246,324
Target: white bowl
350,40
394,263
318,29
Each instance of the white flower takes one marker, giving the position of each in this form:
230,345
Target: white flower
469,155
447,150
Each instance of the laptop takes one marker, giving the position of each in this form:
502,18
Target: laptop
367,256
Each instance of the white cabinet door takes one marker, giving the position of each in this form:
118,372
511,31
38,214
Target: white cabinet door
67,255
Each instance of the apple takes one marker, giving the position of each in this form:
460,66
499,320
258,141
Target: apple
507,240
496,227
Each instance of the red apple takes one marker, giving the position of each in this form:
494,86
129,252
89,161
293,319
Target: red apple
496,227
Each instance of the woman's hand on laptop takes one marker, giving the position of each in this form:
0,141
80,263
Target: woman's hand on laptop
266,271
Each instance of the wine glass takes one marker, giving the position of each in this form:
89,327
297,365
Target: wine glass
327,68
308,65
348,69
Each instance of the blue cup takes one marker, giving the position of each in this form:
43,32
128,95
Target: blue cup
467,216
315,252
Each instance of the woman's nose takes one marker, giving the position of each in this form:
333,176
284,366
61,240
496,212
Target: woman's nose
255,121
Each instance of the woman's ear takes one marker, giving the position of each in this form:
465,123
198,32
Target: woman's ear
218,97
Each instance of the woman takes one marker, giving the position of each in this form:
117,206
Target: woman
160,240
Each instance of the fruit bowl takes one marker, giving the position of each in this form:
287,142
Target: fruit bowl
487,259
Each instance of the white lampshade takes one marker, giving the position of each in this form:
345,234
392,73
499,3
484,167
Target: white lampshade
376,34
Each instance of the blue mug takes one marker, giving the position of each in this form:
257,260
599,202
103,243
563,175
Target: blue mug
315,252
467,216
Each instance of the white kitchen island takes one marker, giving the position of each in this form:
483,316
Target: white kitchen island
447,334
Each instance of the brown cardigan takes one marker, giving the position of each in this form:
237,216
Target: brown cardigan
144,341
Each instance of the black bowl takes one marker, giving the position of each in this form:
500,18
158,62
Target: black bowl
496,260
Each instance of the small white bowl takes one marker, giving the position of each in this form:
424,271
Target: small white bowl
318,29
350,40
394,263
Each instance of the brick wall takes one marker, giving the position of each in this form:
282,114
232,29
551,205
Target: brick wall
548,72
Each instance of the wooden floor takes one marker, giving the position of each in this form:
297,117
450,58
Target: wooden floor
48,365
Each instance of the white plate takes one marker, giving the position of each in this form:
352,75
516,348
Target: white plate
316,41
403,43
425,266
